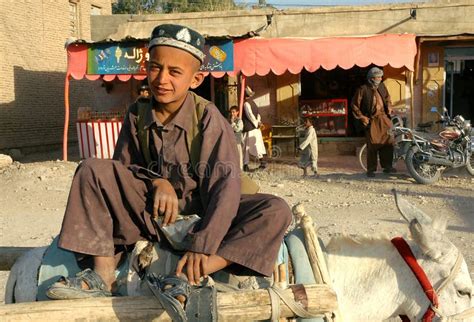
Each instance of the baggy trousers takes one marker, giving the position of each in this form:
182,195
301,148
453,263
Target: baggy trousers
109,206
385,153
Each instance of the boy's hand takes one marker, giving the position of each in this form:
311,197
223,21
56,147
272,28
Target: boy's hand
165,201
196,266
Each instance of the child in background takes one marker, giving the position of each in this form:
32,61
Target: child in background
144,95
309,148
237,126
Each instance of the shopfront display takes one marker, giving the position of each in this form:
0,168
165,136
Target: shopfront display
97,133
321,68
329,116
285,138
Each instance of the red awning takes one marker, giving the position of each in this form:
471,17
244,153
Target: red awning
278,55
260,56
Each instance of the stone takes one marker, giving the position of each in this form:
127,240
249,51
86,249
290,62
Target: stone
15,154
5,161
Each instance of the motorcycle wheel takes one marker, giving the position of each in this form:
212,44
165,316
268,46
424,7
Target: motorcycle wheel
470,165
363,157
421,171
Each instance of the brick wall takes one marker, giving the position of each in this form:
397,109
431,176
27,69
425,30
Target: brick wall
32,70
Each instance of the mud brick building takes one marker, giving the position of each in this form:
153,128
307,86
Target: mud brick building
33,66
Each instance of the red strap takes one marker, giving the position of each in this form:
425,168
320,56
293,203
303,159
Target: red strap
404,249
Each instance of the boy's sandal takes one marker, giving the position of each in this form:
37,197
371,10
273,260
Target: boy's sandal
166,290
68,288
200,303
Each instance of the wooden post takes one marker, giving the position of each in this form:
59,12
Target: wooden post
243,81
66,116
315,254
234,306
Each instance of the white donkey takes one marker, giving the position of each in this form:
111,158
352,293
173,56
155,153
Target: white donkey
371,280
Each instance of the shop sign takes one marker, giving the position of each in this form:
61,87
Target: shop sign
219,56
118,58
127,58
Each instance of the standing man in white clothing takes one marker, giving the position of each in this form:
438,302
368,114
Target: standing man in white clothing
309,149
253,141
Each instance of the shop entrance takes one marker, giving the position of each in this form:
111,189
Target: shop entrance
459,89
326,92
219,85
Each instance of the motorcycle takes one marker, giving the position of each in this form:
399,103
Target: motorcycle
399,150
427,156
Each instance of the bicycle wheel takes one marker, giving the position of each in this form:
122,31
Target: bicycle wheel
276,151
363,157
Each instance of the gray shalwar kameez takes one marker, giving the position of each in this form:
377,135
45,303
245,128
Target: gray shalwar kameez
110,201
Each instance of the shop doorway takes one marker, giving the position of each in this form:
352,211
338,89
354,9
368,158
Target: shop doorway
219,87
459,89
334,85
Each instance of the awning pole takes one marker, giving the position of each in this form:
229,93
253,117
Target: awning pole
66,116
412,99
242,93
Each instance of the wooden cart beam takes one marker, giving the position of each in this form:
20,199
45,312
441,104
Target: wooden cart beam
235,306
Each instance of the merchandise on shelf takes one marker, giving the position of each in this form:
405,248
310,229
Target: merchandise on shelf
329,115
333,106
87,114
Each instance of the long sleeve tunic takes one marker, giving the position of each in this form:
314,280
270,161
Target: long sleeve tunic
214,190
374,104
110,201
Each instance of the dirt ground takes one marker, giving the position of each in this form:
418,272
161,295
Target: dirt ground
33,196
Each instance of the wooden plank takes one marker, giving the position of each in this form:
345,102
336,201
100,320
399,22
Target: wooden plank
234,306
8,256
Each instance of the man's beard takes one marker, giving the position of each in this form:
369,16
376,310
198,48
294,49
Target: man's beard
374,82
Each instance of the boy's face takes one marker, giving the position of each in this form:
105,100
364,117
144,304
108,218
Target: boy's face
234,113
171,73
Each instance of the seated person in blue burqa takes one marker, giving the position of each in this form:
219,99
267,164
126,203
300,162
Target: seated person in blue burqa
112,203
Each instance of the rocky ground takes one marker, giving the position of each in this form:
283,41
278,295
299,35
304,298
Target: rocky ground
33,196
